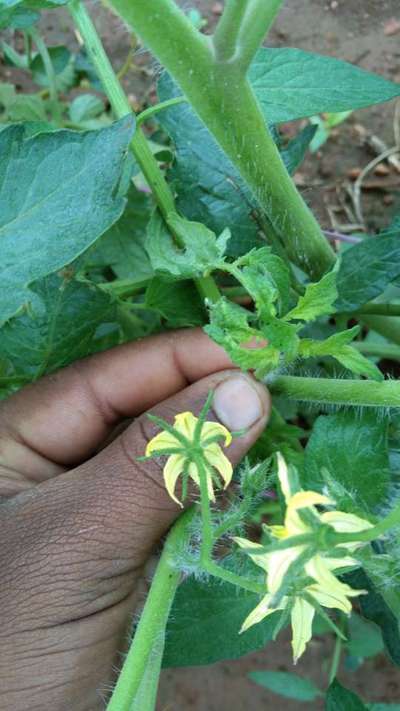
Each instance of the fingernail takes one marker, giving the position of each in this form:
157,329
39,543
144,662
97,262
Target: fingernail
237,403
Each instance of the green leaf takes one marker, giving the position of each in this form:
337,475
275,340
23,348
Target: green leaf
205,621
348,453
292,84
178,302
230,328
367,268
65,194
122,247
364,638
27,107
317,301
57,327
374,608
383,707
209,188
84,107
291,686
338,698
294,153
62,62
201,251
337,346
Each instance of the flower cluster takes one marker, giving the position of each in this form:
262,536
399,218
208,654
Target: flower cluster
315,584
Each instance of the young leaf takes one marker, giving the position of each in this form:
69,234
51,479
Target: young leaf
338,698
229,327
317,301
292,84
266,278
205,621
367,268
58,327
337,346
351,451
201,253
291,686
61,60
65,194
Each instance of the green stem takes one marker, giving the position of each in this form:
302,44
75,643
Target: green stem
152,110
388,326
351,393
228,29
379,350
48,67
260,15
222,97
207,542
337,653
121,107
153,620
380,309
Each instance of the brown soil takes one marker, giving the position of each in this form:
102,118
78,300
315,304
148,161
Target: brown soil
352,30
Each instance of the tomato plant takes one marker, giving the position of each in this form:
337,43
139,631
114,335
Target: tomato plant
106,238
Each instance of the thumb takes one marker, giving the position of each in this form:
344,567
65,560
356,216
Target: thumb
139,510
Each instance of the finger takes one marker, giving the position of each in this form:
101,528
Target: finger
64,417
103,518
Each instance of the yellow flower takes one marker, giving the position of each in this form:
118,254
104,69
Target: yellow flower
326,589
180,461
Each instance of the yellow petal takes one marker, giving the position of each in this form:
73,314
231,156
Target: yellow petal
278,563
337,598
255,551
302,616
261,612
215,456
193,473
173,468
212,429
278,531
185,423
283,475
164,440
346,523
303,499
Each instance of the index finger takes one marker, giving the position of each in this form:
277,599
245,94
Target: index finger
67,415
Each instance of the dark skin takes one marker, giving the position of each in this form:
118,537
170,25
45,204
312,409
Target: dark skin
80,516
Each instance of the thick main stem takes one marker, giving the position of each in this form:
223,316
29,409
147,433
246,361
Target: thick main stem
153,620
350,393
224,100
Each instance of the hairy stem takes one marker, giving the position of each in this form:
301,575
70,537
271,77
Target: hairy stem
379,350
153,110
207,542
140,148
380,309
153,620
388,326
224,100
227,32
257,21
356,393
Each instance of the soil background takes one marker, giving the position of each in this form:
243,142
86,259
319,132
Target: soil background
357,31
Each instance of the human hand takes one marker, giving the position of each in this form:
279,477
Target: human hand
78,522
